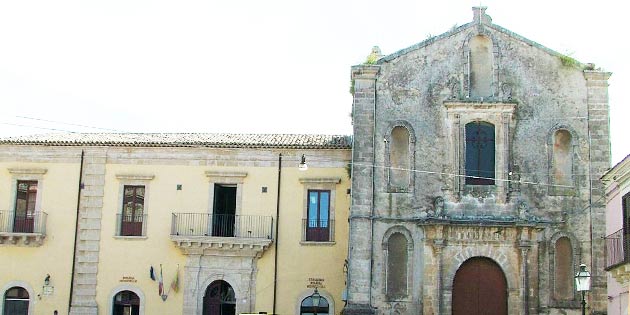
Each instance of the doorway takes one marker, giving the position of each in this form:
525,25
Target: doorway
219,299
479,288
126,303
224,210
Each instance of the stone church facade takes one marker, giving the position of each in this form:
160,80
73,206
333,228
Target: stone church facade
475,177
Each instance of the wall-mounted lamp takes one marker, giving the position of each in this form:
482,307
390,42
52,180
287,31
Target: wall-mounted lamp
47,280
303,166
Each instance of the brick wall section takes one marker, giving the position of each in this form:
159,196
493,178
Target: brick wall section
90,212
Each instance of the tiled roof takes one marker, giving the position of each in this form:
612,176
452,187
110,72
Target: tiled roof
217,140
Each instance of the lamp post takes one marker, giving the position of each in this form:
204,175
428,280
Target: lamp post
583,284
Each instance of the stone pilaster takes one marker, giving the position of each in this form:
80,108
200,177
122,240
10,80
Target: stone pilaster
89,233
599,140
360,234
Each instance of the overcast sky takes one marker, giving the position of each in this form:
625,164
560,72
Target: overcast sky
251,66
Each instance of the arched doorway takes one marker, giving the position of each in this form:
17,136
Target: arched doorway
126,303
309,307
479,288
16,301
219,299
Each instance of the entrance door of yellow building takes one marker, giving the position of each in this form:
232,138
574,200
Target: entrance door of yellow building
219,299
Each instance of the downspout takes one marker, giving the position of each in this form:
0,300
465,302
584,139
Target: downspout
76,230
275,265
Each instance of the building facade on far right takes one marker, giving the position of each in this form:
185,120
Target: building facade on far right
476,168
617,182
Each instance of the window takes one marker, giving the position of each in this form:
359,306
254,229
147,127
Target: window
132,217
563,269
308,308
16,301
318,220
26,196
318,224
399,158
625,207
481,67
561,162
480,153
397,266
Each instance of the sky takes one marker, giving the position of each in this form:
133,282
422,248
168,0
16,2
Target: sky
251,66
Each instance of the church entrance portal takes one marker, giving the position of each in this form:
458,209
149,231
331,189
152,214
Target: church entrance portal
219,299
479,288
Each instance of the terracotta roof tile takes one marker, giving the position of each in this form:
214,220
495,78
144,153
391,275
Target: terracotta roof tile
219,140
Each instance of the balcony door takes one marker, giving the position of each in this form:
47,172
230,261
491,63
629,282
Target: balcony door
318,225
133,211
224,210
24,219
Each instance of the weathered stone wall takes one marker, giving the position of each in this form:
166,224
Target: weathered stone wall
536,92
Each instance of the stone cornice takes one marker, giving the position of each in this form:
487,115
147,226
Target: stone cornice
227,177
221,246
320,180
135,176
27,171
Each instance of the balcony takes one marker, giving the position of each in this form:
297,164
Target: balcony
27,229
203,233
617,256
318,231
131,225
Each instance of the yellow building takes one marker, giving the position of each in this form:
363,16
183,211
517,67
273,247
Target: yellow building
114,224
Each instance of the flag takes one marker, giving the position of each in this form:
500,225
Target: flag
161,283
175,283
152,274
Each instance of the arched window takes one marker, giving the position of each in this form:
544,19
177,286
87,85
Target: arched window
16,301
563,270
397,266
400,158
480,153
126,303
481,65
562,163
308,306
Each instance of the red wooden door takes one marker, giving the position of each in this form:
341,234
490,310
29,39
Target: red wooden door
479,288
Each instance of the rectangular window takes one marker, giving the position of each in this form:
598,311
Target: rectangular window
318,218
24,216
625,205
132,218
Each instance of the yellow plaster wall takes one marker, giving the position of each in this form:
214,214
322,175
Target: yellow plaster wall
30,265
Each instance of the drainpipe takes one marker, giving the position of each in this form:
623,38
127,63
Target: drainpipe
275,265
76,230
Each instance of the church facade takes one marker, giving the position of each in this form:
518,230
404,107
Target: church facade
475,177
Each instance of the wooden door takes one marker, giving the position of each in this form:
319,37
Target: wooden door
479,288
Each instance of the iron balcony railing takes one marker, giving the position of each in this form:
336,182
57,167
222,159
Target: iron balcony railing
222,225
616,249
318,230
34,223
131,225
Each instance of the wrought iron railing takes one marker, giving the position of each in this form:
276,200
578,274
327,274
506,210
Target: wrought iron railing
131,225
34,223
221,225
318,230
616,249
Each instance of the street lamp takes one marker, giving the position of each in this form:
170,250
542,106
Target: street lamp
583,284
316,298
303,166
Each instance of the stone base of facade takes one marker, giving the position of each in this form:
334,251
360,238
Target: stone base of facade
358,309
83,310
